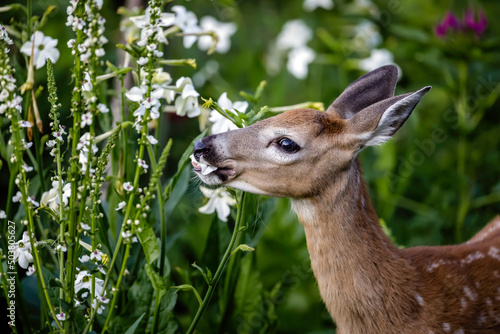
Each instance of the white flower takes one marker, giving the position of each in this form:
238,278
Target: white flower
3,215
83,159
27,168
143,21
31,199
25,124
294,34
101,269
26,145
310,5
152,140
102,300
84,258
366,35
224,32
298,61
22,251
121,205
378,57
128,186
187,102
188,23
221,123
61,248
102,108
219,200
86,119
127,234
51,198
17,197
100,52
4,94
85,226
84,281
31,271
135,94
96,255
142,61
51,143
61,316
87,83
142,164
44,48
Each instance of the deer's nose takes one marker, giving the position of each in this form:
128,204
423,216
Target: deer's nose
199,148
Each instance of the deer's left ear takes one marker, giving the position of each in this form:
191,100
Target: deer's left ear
377,123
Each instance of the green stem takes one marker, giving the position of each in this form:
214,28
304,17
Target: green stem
118,282
464,195
221,267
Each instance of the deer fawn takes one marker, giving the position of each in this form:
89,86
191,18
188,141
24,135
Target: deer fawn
368,285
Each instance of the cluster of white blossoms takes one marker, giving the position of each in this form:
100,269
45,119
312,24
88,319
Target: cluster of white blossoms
292,40
220,123
8,96
93,28
311,5
84,146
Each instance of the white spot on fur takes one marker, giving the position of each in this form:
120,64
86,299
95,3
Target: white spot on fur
494,253
446,327
420,300
470,294
472,257
463,302
481,320
434,265
459,331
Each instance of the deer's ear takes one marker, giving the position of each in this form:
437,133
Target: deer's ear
377,123
371,88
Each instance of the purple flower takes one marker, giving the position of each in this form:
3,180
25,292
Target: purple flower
451,23
479,26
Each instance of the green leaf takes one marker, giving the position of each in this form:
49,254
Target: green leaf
55,283
131,329
143,296
409,33
205,276
149,244
248,295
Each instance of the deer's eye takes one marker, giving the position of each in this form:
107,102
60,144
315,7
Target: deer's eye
288,145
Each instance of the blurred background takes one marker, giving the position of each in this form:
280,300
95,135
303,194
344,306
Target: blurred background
437,182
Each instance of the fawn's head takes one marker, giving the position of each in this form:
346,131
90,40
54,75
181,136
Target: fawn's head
296,153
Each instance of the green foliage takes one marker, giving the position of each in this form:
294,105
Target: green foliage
435,183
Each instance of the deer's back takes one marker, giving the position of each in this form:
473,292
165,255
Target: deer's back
460,285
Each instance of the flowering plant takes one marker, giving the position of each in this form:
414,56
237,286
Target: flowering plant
98,113
78,233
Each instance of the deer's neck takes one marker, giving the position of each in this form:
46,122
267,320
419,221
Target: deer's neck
364,280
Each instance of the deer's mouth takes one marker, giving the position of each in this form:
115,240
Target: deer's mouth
207,172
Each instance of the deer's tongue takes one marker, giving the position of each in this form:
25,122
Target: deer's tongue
204,168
